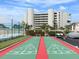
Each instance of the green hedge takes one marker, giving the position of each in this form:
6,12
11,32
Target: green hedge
66,32
36,32
52,33
40,32
32,33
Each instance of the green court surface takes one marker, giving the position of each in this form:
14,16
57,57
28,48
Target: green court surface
28,50
56,50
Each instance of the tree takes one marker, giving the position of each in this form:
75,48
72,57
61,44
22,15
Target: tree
44,28
28,27
67,28
51,28
17,26
61,28
23,26
3,26
55,24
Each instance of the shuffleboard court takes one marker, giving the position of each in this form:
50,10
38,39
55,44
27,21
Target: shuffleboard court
42,53
28,50
57,51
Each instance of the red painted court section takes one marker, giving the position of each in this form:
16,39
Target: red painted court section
42,53
5,51
67,45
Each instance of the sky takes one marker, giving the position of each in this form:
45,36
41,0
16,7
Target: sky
16,9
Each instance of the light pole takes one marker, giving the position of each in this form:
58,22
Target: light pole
18,28
11,28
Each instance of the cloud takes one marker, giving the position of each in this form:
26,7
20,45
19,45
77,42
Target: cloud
62,8
17,8
47,2
31,3
11,11
50,1
16,3
6,14
39,11
4,19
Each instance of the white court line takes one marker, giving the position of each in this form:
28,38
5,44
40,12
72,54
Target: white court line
58,50
30,49
25,49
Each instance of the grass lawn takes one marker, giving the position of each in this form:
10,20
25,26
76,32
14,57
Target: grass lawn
10,42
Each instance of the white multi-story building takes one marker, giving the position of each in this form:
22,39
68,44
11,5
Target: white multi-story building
38,19
75,27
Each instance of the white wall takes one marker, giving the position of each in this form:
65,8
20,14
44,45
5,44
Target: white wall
30,16
50,17
58,20
76,27
64,16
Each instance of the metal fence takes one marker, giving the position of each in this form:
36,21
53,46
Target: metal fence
9,30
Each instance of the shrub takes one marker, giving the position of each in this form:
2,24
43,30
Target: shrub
32,33
42,33
39,32
66,31
52,33
59,32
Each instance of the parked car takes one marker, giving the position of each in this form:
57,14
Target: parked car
73,35
73,38
60,35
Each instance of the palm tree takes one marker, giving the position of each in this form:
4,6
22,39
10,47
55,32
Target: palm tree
27,27
44,28
23,27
